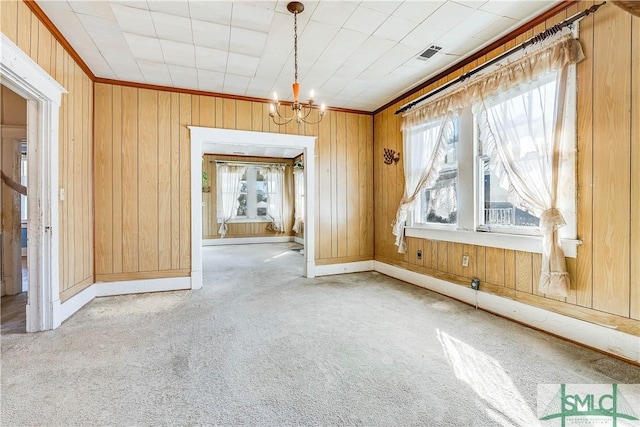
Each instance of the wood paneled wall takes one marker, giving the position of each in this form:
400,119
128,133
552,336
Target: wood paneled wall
210,224
75,142
605,277
142,186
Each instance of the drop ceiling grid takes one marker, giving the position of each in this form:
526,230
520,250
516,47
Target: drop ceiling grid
354,54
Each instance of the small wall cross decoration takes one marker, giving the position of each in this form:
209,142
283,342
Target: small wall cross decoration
390,156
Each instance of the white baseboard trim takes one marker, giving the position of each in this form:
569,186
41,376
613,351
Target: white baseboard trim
590,334
103,289
245,240
75,303
344,268
298,240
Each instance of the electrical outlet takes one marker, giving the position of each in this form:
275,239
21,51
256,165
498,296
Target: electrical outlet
419,254
465,260
475,284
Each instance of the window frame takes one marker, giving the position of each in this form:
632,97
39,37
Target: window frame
251,174
469,204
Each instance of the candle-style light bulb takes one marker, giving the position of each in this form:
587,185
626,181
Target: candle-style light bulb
275,96
311,95
323,108
272,109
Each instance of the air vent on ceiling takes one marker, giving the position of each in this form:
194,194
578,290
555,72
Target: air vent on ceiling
429,52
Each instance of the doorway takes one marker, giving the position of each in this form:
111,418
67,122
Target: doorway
212,140
13,205
43,96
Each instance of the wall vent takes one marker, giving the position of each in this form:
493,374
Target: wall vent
429,53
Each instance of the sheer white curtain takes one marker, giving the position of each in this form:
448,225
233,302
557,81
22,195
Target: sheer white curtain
274,181
229,177
424,153
298,208
521,130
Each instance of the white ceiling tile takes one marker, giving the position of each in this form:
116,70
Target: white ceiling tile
395,57
138,4
133,20
368,52
155,72
211,11
211,59
417,11
422,36
144,47
334,86
474,23
386,7
354,88
475,4
171,27
183,76
93,8
333,12
448,15
211,34
242,65
517,9
263,88
126,69
247,42
178,8
280,38
270,65
235,84
99,27
343,45
251,17
395,28
315,37
365,20
210,80
178,53
499,27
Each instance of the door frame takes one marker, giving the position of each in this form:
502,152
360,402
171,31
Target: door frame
43,94
205,136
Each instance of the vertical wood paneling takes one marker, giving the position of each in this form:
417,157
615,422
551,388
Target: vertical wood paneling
325,187
117,180
443,253
611,150
164,178
175,181
352,204
524,275
584,285
130,170
494,261
185,182
148,251
634,302
244,120
510,269
24,28
104,177
341,179
9,10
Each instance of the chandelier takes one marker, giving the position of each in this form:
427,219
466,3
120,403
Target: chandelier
301,112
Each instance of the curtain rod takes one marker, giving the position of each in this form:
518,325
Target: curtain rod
533,40
231,162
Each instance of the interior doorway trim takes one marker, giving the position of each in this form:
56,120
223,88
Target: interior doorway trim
43,94
201,136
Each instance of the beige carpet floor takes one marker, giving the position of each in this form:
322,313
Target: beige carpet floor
261,345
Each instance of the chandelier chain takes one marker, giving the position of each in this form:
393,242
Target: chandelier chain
295,46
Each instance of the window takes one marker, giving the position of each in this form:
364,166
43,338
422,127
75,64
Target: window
252,199
474,195
23,181
252,195
438,204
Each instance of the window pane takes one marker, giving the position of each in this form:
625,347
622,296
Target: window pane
261,195
498,210
242,198
439,203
